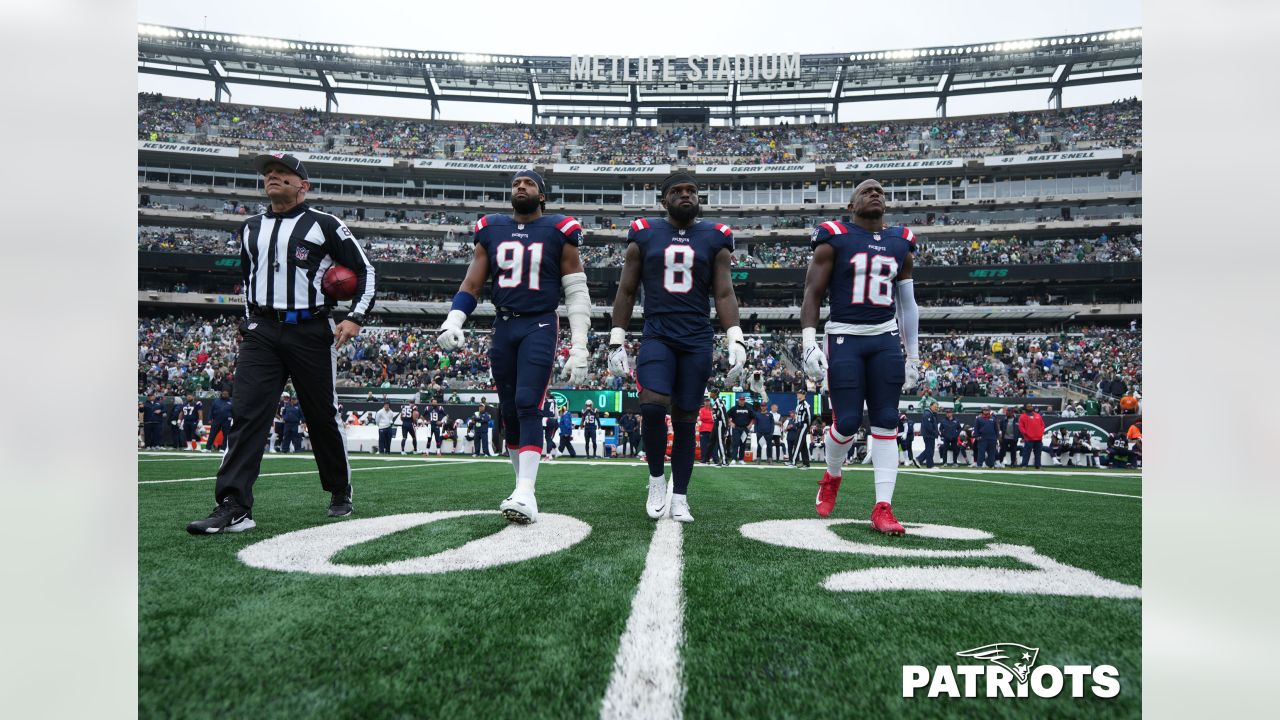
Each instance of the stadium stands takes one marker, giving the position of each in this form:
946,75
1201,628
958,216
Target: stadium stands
1117,125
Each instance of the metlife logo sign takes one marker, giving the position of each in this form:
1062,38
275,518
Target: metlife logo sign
1008,670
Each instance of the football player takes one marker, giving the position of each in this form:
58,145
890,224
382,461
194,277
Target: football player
408,417
436,418
527,257
865,269
682,262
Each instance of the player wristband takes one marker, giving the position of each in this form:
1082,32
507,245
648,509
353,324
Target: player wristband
464,302
808,337
617,336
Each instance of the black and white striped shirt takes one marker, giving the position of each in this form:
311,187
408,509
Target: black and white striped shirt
804,415
283,259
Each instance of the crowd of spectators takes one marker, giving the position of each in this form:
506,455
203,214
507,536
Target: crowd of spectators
185,354
189,354
1103,360
1118,124
986,251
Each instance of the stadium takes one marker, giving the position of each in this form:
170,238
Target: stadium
1028,274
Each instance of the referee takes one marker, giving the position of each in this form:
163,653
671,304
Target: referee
288,334
804,417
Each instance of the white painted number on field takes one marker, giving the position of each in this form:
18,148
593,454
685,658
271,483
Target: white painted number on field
1048,577
312,550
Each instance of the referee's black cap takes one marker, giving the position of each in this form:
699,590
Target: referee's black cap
261,161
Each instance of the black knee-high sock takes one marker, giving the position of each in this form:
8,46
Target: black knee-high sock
681,456
654,436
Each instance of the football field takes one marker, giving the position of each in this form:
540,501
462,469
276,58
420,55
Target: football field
426,603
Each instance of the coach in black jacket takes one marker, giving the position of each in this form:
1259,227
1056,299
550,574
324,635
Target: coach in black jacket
929,431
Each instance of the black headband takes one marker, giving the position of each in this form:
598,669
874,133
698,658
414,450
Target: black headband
542,186
680,178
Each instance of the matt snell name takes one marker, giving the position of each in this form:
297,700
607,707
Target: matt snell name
668,68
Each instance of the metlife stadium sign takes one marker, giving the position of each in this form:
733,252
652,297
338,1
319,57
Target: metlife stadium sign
694,68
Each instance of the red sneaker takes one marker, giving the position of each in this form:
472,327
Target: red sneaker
882,519
828,488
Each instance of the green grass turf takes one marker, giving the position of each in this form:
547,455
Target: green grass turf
763,638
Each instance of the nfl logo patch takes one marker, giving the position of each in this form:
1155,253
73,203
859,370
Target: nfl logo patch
300,252
839,341
520,226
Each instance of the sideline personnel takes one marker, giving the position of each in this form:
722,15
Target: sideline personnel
287,334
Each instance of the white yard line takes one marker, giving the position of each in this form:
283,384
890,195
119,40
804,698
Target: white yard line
279,474
646,682
927,473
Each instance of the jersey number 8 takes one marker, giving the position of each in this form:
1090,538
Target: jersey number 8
876,286
677,272
510,259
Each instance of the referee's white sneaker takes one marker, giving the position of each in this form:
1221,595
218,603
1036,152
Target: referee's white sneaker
656,504
521,508
680,508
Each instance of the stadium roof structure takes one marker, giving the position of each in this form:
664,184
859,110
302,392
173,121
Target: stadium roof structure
643,90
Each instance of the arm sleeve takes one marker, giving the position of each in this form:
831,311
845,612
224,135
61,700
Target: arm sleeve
344,248
578,302
909,317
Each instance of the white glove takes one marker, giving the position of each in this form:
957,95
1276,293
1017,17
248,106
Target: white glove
913,372
451,337
737,353
575,367
619,363
815,359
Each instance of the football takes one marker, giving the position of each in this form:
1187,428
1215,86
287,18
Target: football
339,283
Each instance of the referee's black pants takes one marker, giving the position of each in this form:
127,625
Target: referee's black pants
272,352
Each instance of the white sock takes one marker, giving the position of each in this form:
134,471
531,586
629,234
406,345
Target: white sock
527,469
884,462
515,459
836,448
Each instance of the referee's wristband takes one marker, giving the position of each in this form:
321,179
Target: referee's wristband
357,318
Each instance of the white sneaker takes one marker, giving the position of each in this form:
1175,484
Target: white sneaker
680,508
656,504
521,508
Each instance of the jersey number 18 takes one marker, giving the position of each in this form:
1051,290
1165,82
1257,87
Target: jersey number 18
876,286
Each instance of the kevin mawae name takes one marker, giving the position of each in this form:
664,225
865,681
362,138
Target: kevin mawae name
993,681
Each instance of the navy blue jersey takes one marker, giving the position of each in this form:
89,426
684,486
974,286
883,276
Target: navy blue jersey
589,416
866,266
406,412
676,264
435,414
741,415
524,259
189,412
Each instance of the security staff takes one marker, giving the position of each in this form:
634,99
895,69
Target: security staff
288,334
949,429
804,420
566,433
764,433
929,431
292,431
626,432
706,424
219,420
483,420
